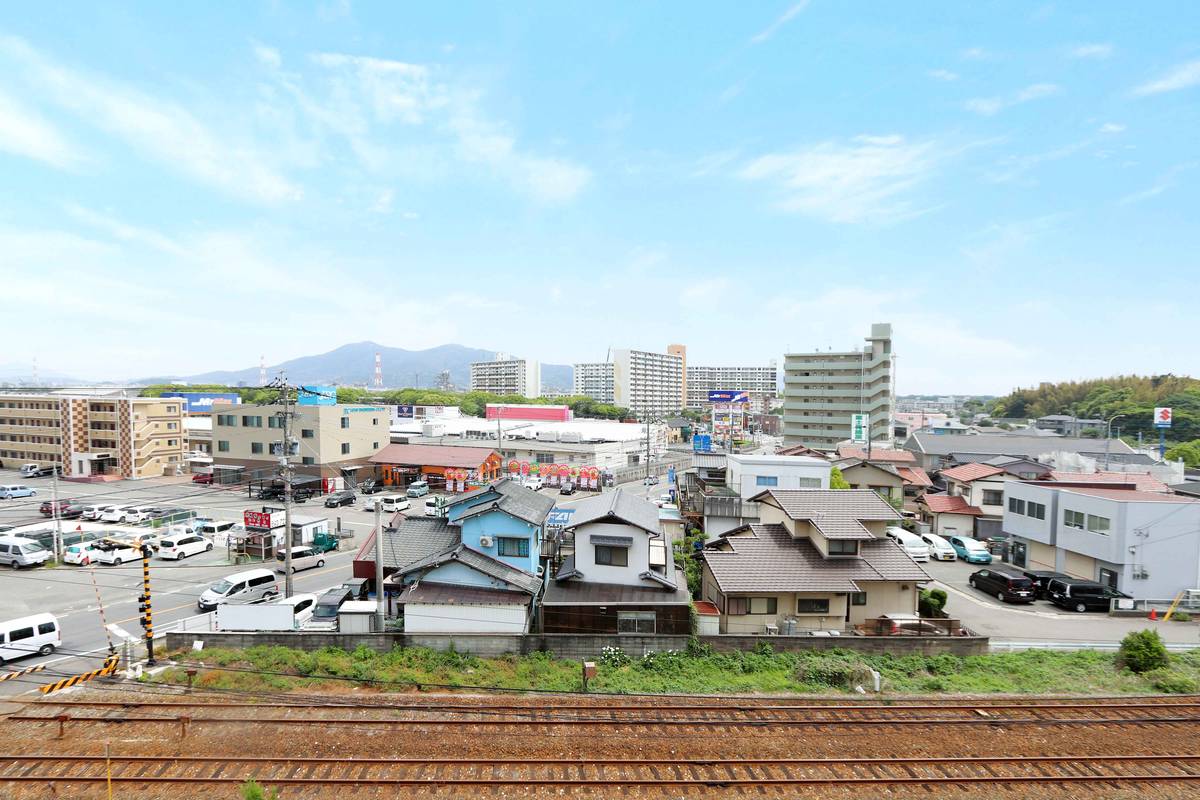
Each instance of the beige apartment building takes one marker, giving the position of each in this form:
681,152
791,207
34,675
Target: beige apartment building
93,435
333,441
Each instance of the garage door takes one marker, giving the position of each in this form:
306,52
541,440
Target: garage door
1078,565
1041,556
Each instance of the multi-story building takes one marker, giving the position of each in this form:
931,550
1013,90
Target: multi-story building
761,382
93,435
823,390
334,441
681,351
649,384
506,375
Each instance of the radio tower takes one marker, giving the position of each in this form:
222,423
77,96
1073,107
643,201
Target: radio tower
262,370
378,371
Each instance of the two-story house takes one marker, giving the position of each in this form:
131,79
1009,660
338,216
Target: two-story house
618,574
982,487
817,559
1146,544
718,488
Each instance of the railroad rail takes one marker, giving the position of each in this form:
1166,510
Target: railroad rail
711,774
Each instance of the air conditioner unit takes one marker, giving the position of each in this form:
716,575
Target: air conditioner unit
485,541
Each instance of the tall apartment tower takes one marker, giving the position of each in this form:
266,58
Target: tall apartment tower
649,384
761,382
593,380
681,351
822,390
507,375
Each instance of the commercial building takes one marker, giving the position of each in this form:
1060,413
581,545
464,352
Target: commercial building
93,436
823,390
760,382
505,375
334,441
649,384
934,452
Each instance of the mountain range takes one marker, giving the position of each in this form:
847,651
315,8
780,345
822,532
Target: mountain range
354,364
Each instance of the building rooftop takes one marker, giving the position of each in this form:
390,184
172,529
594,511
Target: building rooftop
914,476
414,539
577,593
836,513
877,454
482,563
508,496
617,506
950,504
1129,495
432,455
967,473
1008,444
458,595
1139,480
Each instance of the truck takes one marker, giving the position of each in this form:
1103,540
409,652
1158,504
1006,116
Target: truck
255,617
38,471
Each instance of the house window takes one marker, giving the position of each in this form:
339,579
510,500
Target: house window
345,422
543,458
1036,510
374,445
222,446
843,547
172,426
766,480
511,547
374,420
274,422
1016,506
1073,519
171,409
812,605
858,598
635,621
345,448
1098,524
993,497
251,422
256,448
306,433
307,461
227,420
609,556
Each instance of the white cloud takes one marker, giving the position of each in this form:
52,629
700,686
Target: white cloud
1184,76
158,129
383,202
989,106
999,242
1095,50
1166,181
1014,168
24,132
125,232
942,75
783,19
268,56
975,54
394,89
1112,127
861,181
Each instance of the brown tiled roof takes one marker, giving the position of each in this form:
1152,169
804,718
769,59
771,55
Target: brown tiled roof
915,476
800,450
768,559
836,513
877,454
950,504
1141,481
971,472
432,455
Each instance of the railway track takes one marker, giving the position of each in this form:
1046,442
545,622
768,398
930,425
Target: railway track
587,774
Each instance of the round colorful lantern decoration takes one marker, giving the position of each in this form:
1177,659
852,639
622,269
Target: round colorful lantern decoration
514,466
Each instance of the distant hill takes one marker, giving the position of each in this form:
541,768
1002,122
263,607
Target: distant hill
354,364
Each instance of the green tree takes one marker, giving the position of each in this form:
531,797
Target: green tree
1142,651
837,480
1188,451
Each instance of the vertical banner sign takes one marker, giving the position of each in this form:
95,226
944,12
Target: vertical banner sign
1162,417
858,428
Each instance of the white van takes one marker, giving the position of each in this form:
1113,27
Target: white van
17,552
241,587
391,503
304,557
302,607
939,548
26,636
910,542
177,546
217,532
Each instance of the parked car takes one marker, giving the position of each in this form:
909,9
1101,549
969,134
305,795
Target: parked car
343,498
534,483
79,554
73,511
240,587
121,514
418,489
939,548
94,512
970,550
388,503
1077,595
910,543
567,488
663,499
175,547
650,480
303,557
1040,578
36,471
1007,587
370,486
17,552
116,551
46,537
48,506
302,607
433,507
325,613
205,478
16,490
26,636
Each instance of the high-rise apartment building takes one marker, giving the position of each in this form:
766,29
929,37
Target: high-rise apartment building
761,382
681,351
649,384
505,375
93,435
822,390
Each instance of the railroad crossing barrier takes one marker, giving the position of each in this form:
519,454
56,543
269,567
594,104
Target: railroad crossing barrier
9,676
110,666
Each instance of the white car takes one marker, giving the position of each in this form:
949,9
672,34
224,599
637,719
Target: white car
532,483
663,499
120,514
180,546
79,554
302,607
939,548
116,552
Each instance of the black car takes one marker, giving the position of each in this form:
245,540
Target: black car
1008,587
299,493
1077,595
1040,578
567,488
370,486
345,497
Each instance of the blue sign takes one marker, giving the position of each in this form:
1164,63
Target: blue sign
702,443
559,517
202,402
671,475
318,396
729,397
405,412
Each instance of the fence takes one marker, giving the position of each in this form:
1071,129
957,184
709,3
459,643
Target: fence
636,472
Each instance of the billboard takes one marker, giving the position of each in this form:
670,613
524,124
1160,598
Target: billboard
728,396
858,428
317,396
702,443
405,412
202,402
1162,417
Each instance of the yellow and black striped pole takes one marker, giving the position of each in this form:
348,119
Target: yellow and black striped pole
144,606
110,666
10,675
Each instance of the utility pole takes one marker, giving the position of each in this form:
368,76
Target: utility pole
58,539
286,472
379,611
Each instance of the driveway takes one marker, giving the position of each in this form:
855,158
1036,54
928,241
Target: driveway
1040,622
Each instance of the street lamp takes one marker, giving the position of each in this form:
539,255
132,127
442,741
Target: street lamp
1108,437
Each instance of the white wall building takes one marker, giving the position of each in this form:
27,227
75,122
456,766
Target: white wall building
594,381
646,383
760,382
748,475
506,375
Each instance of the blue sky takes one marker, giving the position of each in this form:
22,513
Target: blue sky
1013,186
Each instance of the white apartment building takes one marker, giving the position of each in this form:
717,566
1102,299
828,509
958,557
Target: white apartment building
506,375
760,382
594,381
645,383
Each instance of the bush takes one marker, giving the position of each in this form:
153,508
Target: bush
1143,651
1170,681
614,657
1181,616
932,602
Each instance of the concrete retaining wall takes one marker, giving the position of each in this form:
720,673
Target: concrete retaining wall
570,645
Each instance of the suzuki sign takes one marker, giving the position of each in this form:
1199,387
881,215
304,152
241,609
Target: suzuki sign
1162,417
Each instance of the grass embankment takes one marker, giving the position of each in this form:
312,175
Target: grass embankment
276,669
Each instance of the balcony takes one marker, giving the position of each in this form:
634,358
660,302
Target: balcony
102,416
35,430
32,413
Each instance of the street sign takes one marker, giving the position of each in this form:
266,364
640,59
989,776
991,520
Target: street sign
702,443
671,476
858,428
257,519
1162,417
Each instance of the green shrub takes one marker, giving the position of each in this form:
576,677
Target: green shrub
763,648
931,602
1170,681
944,664
698,649
1181,616
614,657
1143,651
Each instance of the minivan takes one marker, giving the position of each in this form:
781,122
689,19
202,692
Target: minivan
939,548
183,545
24,636
303,557
910,543
16,490
418,489
1041,578
121,514
1008,587
241,587
116,551
970,550
1077,595
217,531
18,552
325,614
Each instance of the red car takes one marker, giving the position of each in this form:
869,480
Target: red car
47,508
202,477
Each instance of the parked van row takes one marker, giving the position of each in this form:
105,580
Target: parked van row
1013,585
